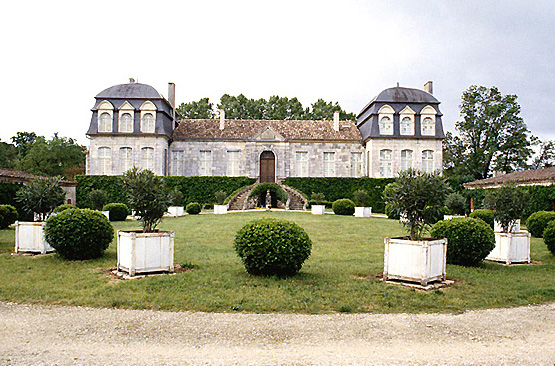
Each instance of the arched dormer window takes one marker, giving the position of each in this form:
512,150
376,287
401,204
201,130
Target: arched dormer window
126,117
105,116
385,118
428,121
407,121
148,117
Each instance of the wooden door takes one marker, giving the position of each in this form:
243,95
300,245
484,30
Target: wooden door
267,167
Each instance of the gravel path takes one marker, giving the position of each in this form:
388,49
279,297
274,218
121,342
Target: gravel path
60,335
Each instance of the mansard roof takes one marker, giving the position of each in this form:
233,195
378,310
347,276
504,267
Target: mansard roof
209,129
129,91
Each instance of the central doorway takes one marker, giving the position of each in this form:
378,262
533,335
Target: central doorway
267,167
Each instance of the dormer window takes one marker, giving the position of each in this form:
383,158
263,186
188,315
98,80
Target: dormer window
105,116
428,127
126,123
407,121
148,117
428,121
385,118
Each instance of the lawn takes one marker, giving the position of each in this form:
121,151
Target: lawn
340,275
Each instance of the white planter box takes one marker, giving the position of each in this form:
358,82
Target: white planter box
106,213
220,209
145,252
415,261
511,248
498,228
176,211
318,209
29,237
363,211
449,217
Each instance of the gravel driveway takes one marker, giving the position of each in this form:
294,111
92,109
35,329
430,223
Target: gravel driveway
60,335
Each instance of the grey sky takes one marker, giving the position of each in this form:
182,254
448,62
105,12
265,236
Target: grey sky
57,55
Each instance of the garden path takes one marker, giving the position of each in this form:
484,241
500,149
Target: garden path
62,335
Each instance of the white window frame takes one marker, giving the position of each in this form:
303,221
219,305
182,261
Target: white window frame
356,164
126,125
125,158
406,121
385,120
148,108
428,161
147,158
177,162
205,163
301,163
407,157
233,160
430,129
386,163
108,108
104,160
124,108
329,164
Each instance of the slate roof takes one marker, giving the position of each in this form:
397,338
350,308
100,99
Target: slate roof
402,95
15,176
525,178
129,91
208,129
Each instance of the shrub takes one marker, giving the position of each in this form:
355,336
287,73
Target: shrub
391,214
469,240
220,197
509,205
118,211
193,208
549,237
276,192
361,197
311,203
41,196
343,206
318,198
537,222
456,203
484,214
177,197
8,215
64,207
98,199
272,247
79,234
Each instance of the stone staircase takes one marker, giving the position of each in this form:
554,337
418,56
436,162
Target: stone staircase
296,200
240,201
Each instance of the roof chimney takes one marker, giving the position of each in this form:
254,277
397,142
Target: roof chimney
171,94
131,80
429,87
336,121
222,119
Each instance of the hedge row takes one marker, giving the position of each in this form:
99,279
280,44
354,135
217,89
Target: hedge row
194,189
7,197
337,188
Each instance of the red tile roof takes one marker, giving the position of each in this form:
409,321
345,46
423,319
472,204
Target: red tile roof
526,177
15,176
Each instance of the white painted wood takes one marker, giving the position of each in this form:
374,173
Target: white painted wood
106,213
220,209
449,217
511,248
176,211
145,252
318,209
363,211
498,228
29,237
416,261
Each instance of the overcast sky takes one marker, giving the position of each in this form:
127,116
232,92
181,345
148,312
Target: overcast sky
57,55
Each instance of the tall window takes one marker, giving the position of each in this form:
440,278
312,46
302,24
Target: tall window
205,166
386,126
105,123
126,123
125,158
301,164
233,163
356,164
406,159
177,162
428,127
386,167
147,157
428,161
147,123
329,164
407,126
104,161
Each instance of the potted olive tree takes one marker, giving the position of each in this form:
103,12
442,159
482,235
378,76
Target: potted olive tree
418,197
511,244
38,198
220,207
149,249
318,208
361,197
177,208
98,199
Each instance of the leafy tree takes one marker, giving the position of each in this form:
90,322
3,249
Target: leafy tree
492,135
322,110
202,109
23,141
8,155
546,155
41,196
283,108
240,107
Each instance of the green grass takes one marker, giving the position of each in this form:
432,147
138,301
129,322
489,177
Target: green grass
339,276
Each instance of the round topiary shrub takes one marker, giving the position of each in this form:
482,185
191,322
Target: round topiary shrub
486,215
549,237
79,234
118,211
193,208
64,207
343,206
469,240
272,247
8,215
537,222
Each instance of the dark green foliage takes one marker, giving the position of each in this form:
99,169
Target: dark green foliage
193,208
537,222
272,247
8,215
118,211
195,110
361,198
112,185
336,188
391,214
177,197
549,237
63,207
220,197
456,203
509,205
8,193
41,196
318,198
484,214
328,204
277,193
79,234
98,199
343,206
469,240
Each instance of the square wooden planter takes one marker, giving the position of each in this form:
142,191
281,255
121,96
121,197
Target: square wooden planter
140,252
220,209
415,261
29,237
318,209
363,211
511,248
176,211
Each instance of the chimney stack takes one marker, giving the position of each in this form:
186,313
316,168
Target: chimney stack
336,121
222,119
429,87
171,94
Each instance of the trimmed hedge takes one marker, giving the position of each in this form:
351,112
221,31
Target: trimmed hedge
112,185
343,206
63,207
118,211
193,208
7,197
549,237
336,188
537,222
486,215
8,215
